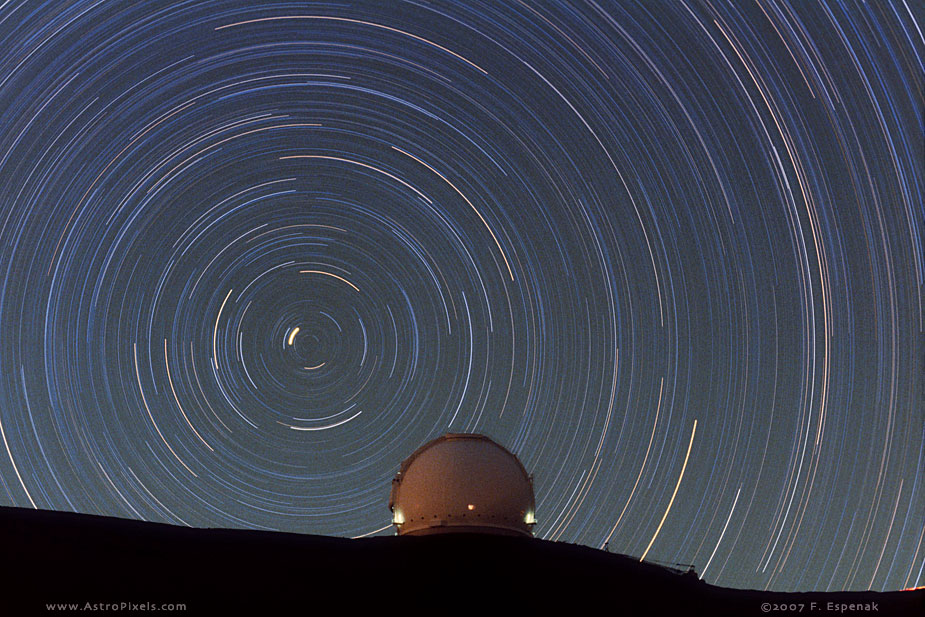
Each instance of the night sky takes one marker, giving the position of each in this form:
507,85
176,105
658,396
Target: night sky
253,254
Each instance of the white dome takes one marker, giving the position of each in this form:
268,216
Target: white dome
462,483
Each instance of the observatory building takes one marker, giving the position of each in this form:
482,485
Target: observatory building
462,482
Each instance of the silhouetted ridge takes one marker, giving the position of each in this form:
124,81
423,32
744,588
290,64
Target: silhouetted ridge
74,558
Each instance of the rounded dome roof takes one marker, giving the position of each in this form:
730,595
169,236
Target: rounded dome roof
462,482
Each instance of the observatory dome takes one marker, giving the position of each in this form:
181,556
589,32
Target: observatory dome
462,482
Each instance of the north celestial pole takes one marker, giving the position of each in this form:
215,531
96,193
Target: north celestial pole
253,254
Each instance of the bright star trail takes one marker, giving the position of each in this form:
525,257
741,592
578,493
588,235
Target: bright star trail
252,255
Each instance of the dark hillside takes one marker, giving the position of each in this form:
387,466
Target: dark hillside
61,558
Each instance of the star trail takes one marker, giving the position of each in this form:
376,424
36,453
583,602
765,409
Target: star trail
254,254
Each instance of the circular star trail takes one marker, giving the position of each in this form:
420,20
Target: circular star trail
253,254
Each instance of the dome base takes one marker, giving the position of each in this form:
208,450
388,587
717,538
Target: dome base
480,529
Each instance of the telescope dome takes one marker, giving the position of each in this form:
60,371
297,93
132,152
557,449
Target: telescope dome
462,482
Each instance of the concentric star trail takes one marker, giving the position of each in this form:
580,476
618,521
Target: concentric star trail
252,255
